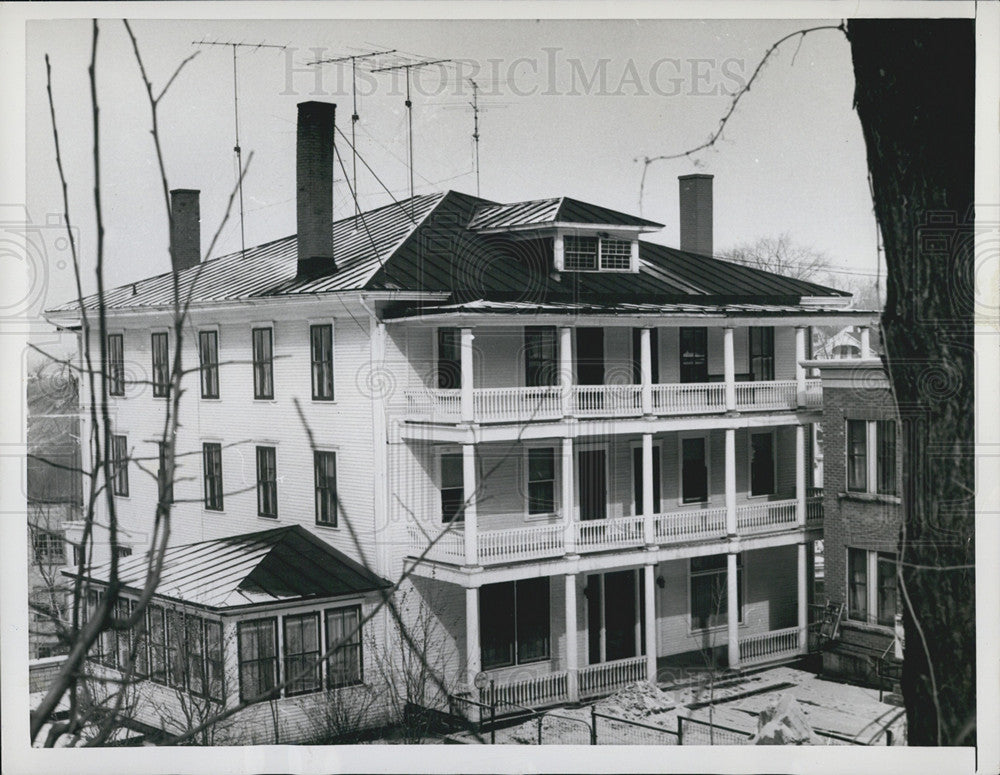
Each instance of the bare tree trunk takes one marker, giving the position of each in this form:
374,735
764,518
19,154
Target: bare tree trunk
915,85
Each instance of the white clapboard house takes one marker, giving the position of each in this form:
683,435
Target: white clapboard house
586,452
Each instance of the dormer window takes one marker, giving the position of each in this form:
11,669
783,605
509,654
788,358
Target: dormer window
597,253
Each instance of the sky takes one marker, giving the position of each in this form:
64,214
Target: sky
567,108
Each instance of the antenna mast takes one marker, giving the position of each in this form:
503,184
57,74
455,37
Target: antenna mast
475,127
409,111
353,59
236,120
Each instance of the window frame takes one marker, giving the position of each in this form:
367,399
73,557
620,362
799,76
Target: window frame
526,481
604,260
318,367
877,445
886,480
764,356
459,515
115,378
356,643
42,542
853,454
267,486
751,432
318,455
715,572
164,488
539,369
211,503
262,367
274,658
208,363
301,657
160,363
119,465
486,620
873,562
682,367
681,438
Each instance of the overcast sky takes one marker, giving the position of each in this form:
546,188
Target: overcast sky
567,107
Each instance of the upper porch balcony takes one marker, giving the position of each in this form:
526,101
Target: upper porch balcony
515,374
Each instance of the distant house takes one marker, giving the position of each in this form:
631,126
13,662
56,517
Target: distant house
861,514
585,451
848,342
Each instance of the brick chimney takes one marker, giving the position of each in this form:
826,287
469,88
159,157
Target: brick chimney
696,213
314,188
185,228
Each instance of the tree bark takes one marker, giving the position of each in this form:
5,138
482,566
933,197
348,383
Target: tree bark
915,96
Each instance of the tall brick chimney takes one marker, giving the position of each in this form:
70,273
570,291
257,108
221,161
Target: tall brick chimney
314,188
185,228
696,213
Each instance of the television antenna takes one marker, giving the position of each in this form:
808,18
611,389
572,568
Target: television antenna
409,110
236,118
353,59
475,127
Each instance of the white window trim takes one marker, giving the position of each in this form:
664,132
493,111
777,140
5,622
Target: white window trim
198,329
170,343
274,372
634,445
742,593
439,451
871,458
333,351
556,479
623,236
128,458
97,351
201,473
707,436
871,588
751,432
337,461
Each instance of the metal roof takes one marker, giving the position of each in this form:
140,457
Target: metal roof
283,564
541,212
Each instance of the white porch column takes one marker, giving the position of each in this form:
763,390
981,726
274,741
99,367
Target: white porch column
729,367
803,617
733,612
566,369
646,370
650,606
800,475
648,509
466,366
572,663
866,342
469,493
800,371
569,539
472,653
731,481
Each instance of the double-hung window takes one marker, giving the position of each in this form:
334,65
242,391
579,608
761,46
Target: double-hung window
583,253
257,643
165,484
119,465
302,650
693,348
541,480
514,622
321,355
694,469
871,456
267,482
540,363
49,546
212,469
452,487
325,479
263,363
709,591
208,353
343,641
116,365
157,636
160,346
762,353
871,586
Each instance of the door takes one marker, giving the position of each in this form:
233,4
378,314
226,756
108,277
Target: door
593,485
620,615
590,356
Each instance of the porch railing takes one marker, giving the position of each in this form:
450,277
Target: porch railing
766,516
607,400
778,394
517,404
520,543
607,677
689,398
597,534
435,405
448,547
814,509
814,393
688,525
769,645
545,689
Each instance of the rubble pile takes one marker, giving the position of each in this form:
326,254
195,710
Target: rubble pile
782,722
639,700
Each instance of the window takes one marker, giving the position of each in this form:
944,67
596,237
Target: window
161,364
637,483
709,598
263,363
694,470
211,454
452,487
119,465
213,660
165,483
343,640
762,353
49,546
589,253
871,456
157,644
325,472
258,657
761,463
693,354
871,586
116,364
123,655
321,349
541,480
176,649
267,482
208,352
301,634
449,359
514,622
123,551
654,355
194,653
540,364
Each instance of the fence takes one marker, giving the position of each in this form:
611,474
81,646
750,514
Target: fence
692,731
611,730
